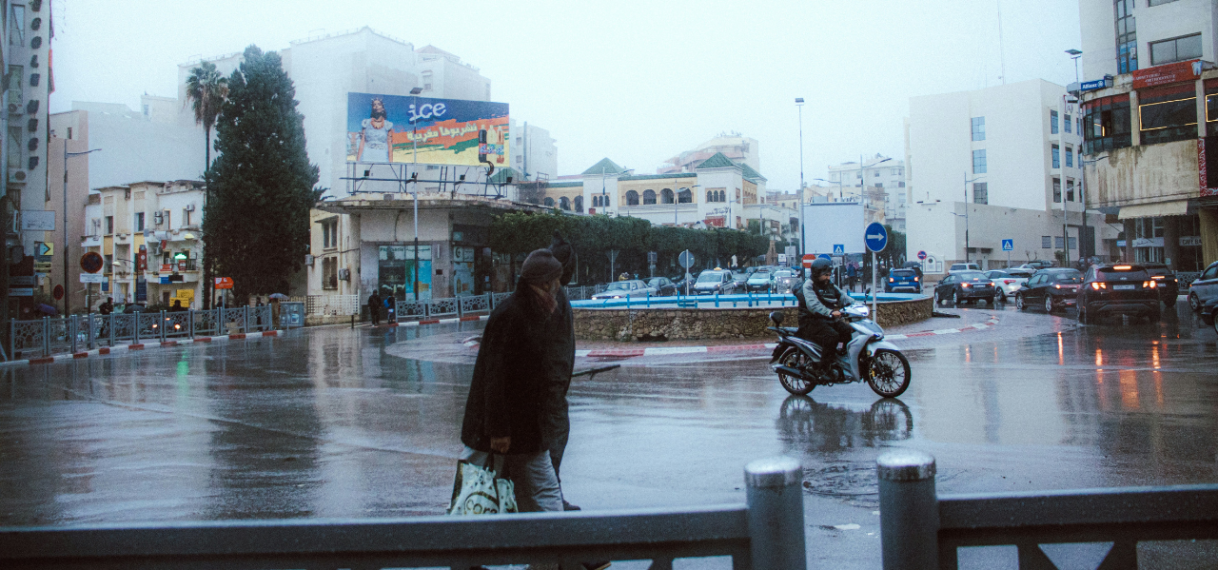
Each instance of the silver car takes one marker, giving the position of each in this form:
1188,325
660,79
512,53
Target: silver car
623,289
1006,283
785,281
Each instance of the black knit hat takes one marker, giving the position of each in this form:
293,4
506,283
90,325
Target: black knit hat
565,255
540,267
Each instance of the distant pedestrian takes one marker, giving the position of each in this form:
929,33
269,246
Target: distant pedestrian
374,307
106,307
391,308
510,400
177,306
852,274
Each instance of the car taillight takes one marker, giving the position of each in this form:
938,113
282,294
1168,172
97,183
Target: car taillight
915,279
965,285
892,279
1156,277
1007,281
1097,285
1057,286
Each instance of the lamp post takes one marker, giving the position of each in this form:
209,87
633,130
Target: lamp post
67,294
966,183
799,104
414,159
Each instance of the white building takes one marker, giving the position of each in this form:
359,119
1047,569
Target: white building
883,179
739,148
1148,110
534,152
1000,164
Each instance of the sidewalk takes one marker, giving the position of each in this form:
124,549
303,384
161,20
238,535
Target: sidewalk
137,346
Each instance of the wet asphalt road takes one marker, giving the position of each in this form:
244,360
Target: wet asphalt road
333,422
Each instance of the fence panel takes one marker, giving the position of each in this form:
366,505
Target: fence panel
441,308
177,324
124,326
474,304
60,336
333,305
233,320
205,323
27,338
501,297
149,326
411,309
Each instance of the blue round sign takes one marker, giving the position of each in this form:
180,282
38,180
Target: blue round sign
824,256
876,237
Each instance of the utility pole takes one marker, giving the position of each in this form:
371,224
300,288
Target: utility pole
414,158
67,287
799,104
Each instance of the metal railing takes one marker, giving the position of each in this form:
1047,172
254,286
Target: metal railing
48,336
919,530
766,533
333,305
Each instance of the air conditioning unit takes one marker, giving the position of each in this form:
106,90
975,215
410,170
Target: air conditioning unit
14,108
309,260
344,274
189,208
157,218
17,177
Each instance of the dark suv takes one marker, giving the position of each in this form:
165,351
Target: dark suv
1168,285
1121,289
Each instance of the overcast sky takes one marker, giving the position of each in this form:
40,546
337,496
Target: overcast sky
637,82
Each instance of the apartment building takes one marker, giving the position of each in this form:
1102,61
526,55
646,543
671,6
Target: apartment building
879,182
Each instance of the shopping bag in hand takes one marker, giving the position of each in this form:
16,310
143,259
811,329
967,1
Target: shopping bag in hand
479,490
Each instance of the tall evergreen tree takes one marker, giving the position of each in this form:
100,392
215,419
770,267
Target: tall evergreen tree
262,185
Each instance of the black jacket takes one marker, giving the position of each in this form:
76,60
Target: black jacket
512,392
560,351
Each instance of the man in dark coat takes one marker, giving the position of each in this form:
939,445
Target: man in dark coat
510,401
374,307
561,353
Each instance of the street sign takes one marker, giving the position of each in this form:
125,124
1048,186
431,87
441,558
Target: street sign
91,262
922,255
224,283
43,251
92,278
825,256
651,257
42,267
1093,85
1008,245
876,237
57,292
686,259
839,249
37,220
21,292
782,259
21,281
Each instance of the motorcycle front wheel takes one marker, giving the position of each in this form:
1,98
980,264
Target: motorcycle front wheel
888,373
793,358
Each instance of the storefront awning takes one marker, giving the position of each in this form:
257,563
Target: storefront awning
1156,210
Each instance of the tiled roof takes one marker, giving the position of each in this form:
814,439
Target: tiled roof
749,173
605,166
717,161
659,176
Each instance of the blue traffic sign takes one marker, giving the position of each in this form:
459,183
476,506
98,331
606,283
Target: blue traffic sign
825,256
839,249
1008,245
876,237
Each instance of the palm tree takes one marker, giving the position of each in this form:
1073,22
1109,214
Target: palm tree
206,90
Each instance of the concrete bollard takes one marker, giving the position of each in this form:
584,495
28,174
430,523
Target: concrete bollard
774,491
909,510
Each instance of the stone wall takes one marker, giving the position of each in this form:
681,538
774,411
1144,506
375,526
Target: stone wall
688,324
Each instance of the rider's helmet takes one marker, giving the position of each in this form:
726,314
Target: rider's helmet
821,267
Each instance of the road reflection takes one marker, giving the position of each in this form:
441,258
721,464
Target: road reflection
810,426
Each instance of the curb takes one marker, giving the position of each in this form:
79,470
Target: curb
433,322
129,347
673,350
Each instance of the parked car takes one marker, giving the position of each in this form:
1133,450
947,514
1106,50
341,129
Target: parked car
1054,288
785,281
662,287
1168,284
1033,266
1204,288
1123,289
964,287
957,267
1007,283
714,281
903,280
622,289
760,280
740,277
1209,313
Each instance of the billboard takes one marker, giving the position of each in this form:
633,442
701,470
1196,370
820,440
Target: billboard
834,228
389,128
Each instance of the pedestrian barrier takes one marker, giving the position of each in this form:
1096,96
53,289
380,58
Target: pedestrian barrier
920,530
333,304
766,533
48,336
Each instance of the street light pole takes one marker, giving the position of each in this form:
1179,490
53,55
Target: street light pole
799,104
966,208
414,158
67,292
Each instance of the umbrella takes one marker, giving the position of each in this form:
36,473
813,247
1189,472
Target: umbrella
279,296
45,308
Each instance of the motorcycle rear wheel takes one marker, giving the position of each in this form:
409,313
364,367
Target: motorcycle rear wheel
793,358
888,373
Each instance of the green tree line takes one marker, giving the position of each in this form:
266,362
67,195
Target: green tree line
593,237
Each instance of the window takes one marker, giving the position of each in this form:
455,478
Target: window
16,85
16,25
1046,242
1066,122
329,233
329,273
1053,122
109,225
549,202
1069,156
1069,190
978,128
1057,156
1176,49
1126,38
1107,124
579,204
1168,113
1057,191
979,161
649,197
632,198
1058,242
1080,125
715,196
981,193
564,203
14,149
139,221
666,196
109,262
685,196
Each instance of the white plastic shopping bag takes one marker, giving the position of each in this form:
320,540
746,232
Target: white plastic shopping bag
479,490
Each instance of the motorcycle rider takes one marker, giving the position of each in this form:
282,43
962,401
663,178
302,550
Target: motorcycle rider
820,316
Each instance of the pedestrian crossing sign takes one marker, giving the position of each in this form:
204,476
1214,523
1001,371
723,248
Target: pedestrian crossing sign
1008,244
839,249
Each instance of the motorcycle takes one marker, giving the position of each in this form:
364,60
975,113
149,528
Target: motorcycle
868,357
